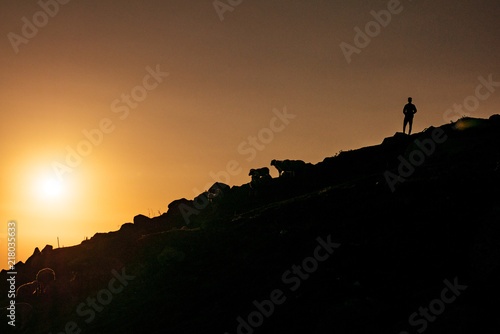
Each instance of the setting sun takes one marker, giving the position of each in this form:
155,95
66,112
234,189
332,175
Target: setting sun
51,188
44,187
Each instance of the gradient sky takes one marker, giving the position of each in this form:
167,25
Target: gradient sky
225,79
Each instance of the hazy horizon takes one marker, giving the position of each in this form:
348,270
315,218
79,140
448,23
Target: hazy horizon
230,85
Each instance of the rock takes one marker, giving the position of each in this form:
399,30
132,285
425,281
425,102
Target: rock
398,137
47,249
126,226
36,252
218,187
141,220
175,204
495,119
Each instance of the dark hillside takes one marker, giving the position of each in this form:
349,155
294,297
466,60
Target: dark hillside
354,244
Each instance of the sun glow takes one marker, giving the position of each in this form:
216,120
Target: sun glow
46,187
51,188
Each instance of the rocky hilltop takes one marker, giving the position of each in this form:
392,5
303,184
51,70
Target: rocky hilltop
401,237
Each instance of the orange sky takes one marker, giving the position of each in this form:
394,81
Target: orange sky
89,65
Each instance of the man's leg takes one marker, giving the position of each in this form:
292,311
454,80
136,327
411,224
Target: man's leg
411,123
404,124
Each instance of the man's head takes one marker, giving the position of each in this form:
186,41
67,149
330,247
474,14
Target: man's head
45,277
409,99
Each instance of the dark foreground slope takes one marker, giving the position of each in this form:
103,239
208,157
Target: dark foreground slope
400,237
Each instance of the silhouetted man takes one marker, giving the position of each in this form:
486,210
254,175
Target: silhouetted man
409,110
